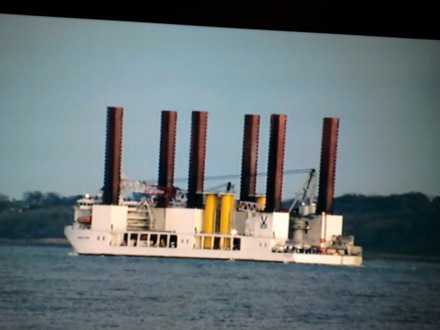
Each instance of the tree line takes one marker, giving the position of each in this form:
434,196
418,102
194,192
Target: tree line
36,215
35,200
406,223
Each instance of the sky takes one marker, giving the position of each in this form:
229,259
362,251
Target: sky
59,75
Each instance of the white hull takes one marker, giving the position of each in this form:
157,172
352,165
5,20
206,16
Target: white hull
90,242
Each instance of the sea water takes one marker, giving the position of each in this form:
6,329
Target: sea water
48,286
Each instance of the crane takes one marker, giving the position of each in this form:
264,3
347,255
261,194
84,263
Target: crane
306,196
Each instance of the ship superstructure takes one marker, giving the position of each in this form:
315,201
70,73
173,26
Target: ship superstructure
163,220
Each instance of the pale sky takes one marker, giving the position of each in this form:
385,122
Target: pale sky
59,75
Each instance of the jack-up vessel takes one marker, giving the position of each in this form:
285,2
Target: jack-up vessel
161,220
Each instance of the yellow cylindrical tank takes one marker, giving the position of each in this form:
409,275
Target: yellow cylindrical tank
226,210
209,218
261,202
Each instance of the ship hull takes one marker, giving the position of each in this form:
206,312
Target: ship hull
89,242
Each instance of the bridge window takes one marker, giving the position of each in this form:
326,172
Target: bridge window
236,244
163,240
133,239
153,240
143,240
173,241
